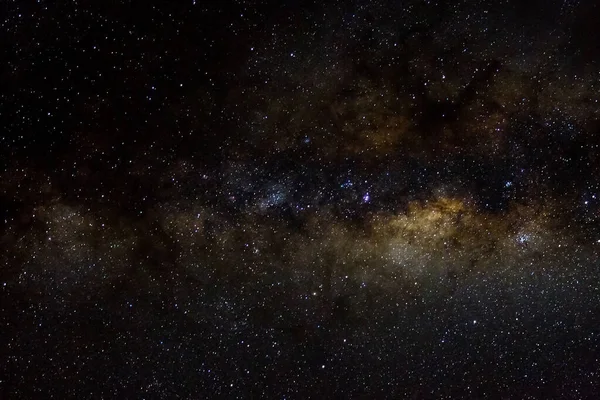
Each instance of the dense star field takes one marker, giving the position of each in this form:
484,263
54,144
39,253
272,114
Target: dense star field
288,199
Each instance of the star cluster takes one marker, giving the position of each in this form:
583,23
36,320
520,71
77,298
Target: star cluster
384,199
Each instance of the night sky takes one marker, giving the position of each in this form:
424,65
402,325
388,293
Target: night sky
291,199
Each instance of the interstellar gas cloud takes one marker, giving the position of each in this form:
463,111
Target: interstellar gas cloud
289,199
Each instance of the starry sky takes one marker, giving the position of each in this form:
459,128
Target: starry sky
293,199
